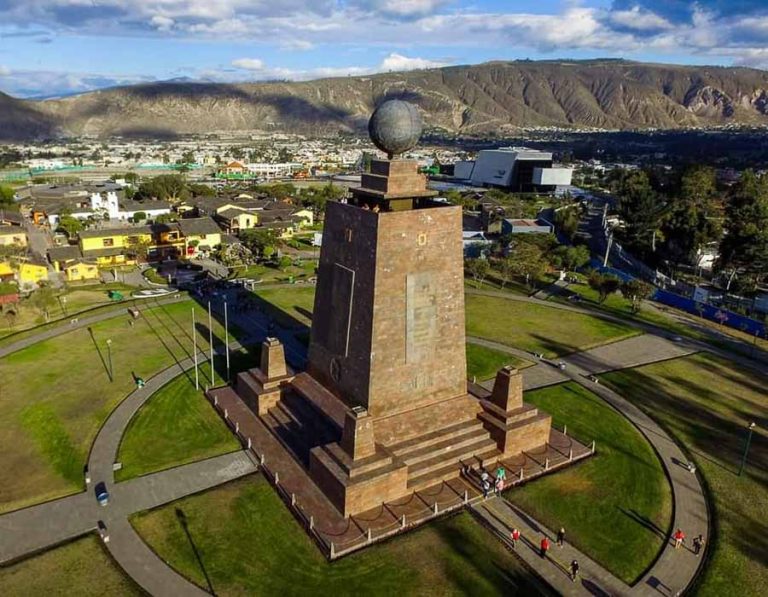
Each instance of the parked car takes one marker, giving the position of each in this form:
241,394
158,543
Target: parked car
102,495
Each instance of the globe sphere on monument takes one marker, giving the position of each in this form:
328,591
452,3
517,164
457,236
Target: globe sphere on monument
395,127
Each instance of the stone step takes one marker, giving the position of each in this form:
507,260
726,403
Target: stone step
403,449
465,452
310,420
446,446
280,426
447,471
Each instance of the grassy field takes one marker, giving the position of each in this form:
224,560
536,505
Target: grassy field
483,362
54,396
80,568
706,403
250,544
536,328
616,506
178,425
271,275
291,305
76,299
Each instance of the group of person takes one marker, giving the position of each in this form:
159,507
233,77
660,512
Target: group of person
544,547
493,484
698,542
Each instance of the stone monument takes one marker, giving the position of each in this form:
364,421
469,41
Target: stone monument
383,407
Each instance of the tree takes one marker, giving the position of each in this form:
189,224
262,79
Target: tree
692,219
70,225
43,299
478,269
138,247
284,263
576,257
641,209
744,250
284,156
603,284
257,240
507,269
528,260
567,221
139,216
6,195
166,187
268,252
636,291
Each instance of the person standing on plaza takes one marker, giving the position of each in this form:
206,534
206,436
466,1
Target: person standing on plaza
486,488
515,538
561,537
574,570
698,544
501,473
679,538
544,547
499,487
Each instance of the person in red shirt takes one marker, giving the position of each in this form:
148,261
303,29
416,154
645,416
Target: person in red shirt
515,538
544,547
679,538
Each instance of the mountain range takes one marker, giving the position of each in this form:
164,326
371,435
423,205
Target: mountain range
498,97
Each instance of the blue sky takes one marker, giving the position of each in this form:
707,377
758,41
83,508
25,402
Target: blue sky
50,47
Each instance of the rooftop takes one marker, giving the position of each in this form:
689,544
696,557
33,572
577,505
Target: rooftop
199,226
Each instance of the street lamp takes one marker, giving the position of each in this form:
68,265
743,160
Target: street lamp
751,428
109,356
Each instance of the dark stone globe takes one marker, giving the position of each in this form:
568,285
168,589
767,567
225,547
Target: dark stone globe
395,127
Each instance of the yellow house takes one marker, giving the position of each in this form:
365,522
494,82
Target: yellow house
13,235
80,270
235,219
31,274
112,246
201,235
306,216
6,272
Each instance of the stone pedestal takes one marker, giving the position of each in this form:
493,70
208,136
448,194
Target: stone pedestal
260,388
516,427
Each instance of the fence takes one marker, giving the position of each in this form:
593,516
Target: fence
719,315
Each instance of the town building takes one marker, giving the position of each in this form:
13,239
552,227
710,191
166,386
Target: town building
526,226
13,235
517,169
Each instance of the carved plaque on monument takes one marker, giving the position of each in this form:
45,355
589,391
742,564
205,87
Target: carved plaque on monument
421,316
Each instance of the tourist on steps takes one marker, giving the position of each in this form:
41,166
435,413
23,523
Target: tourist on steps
515,538
486,489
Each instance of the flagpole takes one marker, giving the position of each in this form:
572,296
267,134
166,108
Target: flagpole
210,339
194,350
226,337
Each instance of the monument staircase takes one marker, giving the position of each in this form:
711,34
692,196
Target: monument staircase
301,425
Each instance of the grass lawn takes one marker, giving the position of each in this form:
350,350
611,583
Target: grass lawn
251,545
80,568
291,305
270,275
77,299
706,403
536,328
612,505
54,396
178,425
483,362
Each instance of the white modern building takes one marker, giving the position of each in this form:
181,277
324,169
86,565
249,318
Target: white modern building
518,169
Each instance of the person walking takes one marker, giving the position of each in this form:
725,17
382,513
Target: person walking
501,473
486,489
698,545
574,570
544,547
515,538
561,537
679,538
499,487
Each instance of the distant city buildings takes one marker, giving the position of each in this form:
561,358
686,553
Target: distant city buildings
516,169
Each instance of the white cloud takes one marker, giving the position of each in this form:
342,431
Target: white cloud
162,23
398,62
4,71
249,64
640,20
301,45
